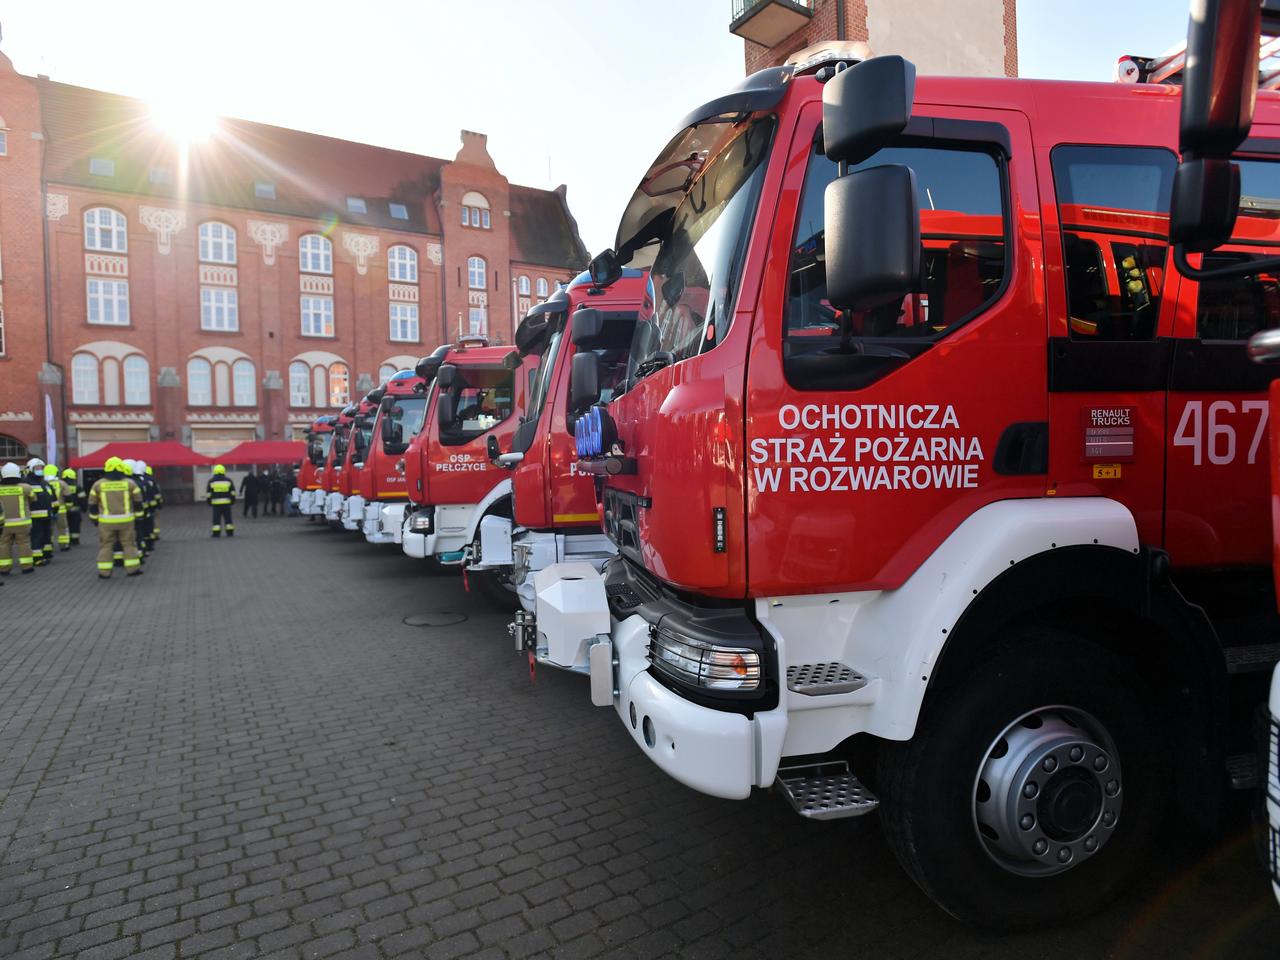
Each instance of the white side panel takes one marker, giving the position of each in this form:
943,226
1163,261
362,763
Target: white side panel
495,543
894,637
571,610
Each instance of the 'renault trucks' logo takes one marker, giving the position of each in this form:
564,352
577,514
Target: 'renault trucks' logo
1108,434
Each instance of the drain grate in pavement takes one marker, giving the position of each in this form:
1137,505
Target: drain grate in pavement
441,619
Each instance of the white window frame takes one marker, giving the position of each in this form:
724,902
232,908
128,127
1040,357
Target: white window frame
315,254
336,400
524,285
219,309
466,216
137,381
402,264
484,219
4,143
205,397
478,321
244,385
543,289
106,230
299,384
357,205
106,302
217,242
317,316
404,323
477,273
398,211
84,379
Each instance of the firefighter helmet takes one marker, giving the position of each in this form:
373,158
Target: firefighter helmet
10,471
219,468
35,464
68,474
51,471
138,468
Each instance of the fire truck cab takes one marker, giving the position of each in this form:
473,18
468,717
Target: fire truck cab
355,445
479,391
555,517
936,490
306,494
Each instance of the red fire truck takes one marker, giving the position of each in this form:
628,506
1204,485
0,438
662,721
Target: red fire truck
555,515
479,391
319,439
935,489
350,448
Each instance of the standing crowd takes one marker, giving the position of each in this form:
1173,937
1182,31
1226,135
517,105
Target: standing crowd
40,508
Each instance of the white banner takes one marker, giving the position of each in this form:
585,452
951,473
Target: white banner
50,432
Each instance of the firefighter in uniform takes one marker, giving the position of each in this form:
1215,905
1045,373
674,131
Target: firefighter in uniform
41,541
112,503
142,512
61,534
159,498
16,499
72,495
221,494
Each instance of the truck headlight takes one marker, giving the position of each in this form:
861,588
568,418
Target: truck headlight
697,663
422,522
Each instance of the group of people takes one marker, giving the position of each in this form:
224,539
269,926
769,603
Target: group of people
40,507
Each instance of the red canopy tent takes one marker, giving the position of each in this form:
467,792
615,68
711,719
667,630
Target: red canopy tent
159,453
265,451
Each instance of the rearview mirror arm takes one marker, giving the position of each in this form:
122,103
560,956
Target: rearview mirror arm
1245,269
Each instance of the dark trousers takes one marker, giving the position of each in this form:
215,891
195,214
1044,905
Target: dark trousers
41,541
250,504
142,531
73,524
222,520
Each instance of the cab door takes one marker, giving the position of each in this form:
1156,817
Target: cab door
1112,301
1219,483
871,437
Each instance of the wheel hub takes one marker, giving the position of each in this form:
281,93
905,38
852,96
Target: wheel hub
1048,792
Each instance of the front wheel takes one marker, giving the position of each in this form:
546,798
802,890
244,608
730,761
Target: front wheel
1032,788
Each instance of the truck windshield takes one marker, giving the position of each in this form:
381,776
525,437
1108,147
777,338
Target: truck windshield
407,414
319,448
541,384
698,264
482,400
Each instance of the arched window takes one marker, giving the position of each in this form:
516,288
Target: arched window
476,273
111,382
524,285
11,448
339,385
386,372
319,384
199,383
299,384
84,378
475,210
106,230
221,384
542,287
243,389
315,254
402,264
137,381
217,242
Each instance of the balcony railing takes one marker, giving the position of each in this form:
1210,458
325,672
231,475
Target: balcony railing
768,22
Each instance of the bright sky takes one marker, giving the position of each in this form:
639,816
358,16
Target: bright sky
583,92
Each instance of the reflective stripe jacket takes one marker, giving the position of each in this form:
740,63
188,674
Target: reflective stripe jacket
71,495
220,491
40,503
15,502
113,499
57,496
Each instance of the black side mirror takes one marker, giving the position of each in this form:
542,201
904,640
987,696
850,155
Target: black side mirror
1220,83
866,106
445,411
1206,201
445,375
387,429
427,366
512,360
584,381
588,325
491,447
604,268
872,230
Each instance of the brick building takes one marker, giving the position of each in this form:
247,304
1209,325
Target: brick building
953,37
238,287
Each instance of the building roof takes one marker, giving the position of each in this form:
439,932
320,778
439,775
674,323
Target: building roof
543,231
313,175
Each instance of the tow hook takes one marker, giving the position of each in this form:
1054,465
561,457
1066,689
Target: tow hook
524,631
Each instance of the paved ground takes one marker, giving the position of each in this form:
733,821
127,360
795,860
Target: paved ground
247,753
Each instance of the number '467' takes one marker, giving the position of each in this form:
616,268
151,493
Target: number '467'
1211,434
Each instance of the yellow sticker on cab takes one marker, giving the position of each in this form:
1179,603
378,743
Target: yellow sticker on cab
1106,471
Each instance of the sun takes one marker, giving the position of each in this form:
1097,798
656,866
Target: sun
184,116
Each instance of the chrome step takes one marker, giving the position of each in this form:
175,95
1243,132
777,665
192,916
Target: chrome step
1242,771
823,679
825,791
1252,658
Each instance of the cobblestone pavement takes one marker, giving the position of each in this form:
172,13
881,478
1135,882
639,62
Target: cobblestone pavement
247,753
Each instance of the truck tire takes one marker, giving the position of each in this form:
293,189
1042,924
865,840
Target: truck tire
1034,786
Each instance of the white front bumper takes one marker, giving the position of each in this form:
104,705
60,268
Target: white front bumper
719,753
382,522
352,512
1273,784
333,507
534,551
